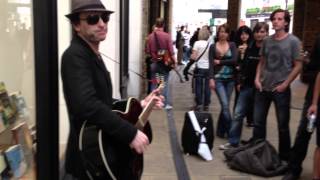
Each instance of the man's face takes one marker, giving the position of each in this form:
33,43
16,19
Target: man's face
278,22
93,26
260,35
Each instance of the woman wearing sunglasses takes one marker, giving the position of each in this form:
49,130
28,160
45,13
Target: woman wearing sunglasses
87,89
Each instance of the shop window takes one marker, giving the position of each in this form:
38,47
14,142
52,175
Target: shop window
17,90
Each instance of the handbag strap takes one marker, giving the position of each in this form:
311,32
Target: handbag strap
203,52
157,40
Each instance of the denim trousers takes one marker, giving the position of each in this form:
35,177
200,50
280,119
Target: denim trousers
202,90
163,76
300,147
186,53
243,105
282,102
224,90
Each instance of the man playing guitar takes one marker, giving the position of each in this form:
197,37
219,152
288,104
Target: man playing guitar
87,89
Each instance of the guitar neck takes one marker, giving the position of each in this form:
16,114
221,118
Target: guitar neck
143,117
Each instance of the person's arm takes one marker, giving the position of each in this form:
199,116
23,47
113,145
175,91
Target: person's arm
315,98
194,54
211,59
170,49
212,50
297,67
257,80
154,95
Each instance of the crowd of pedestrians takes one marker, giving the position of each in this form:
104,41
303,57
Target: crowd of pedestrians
260,68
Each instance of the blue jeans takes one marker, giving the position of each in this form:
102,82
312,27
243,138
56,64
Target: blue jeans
203,93
186,53
243,105
282,102
224,90
163,76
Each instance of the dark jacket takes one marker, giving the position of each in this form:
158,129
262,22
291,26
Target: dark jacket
224,62
313,68
248,66
87,89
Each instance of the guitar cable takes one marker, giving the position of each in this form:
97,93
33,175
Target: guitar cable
140,75
115,61
104,159
80,146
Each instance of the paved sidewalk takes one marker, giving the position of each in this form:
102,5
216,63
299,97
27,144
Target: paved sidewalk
159,160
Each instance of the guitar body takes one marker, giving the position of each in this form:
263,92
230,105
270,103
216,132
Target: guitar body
167,59
105,158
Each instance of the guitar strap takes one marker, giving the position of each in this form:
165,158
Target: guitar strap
157,40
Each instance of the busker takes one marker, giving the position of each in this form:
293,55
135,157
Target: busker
87,89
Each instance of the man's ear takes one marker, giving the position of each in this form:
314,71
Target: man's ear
286,23
76,27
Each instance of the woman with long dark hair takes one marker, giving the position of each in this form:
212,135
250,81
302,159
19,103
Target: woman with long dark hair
243,38
222,61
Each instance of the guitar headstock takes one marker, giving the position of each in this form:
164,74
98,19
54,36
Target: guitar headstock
160,81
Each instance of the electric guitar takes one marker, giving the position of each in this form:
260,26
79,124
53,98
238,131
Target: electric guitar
102,155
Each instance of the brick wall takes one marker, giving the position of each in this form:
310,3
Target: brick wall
307,21
311,22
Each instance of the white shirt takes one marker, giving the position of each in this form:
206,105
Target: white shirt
200,46
186,37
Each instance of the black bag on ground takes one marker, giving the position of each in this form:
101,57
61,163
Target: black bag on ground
257,157
190,138
230,153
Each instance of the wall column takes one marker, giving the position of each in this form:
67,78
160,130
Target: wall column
233,13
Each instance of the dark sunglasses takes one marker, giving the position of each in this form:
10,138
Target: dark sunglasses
94,19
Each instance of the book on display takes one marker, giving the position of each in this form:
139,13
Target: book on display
16,161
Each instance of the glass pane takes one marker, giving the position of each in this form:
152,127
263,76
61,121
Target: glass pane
17,90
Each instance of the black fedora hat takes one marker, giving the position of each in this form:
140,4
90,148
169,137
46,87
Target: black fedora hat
78,6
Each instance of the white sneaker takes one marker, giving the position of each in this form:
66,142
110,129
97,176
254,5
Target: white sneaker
225,146
168,107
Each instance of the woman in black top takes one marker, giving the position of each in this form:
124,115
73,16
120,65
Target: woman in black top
246,85
243,39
